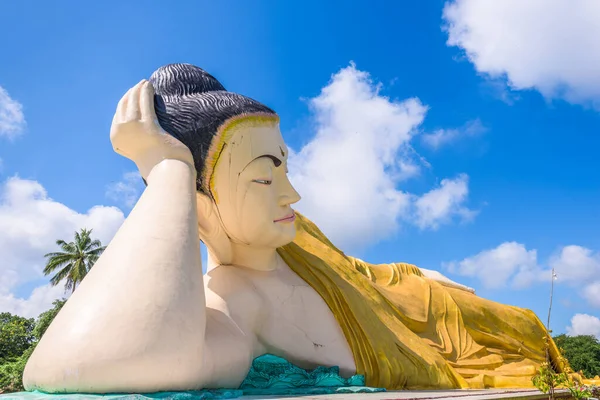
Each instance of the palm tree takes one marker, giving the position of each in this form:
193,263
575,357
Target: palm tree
74,261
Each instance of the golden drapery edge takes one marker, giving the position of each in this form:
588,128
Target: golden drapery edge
409,332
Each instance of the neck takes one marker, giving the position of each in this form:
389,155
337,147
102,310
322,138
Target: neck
251,257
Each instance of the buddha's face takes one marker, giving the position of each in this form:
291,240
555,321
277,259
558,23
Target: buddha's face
252,192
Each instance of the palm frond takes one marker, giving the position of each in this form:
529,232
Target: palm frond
57,262
69,285
56,254
96,243
96,251
68,247
75,260
62,274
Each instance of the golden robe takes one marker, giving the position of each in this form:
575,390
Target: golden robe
409,332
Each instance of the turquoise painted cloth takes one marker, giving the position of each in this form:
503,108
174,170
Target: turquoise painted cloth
269,375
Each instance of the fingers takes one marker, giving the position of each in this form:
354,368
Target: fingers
121,112
132,112
148,113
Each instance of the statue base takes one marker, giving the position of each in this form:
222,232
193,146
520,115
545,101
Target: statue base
272,377
490,394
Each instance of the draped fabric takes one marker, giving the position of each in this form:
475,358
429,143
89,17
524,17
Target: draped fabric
409,332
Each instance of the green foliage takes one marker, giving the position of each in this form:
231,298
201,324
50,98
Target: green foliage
21,338
45,318
594,391
579,391
74,261
11,373
16,336
547,380
583,353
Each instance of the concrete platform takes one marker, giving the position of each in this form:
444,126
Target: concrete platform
429,395
491,394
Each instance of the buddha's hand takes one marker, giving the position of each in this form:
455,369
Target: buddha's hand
438,277
136,134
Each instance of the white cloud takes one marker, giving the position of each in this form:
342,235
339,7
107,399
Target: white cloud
39,300
30,223
584,324
591,293
441,204
576,264
580,267
443,137
512,264
128,190
508,263
12,120
348,174
549,46
496,87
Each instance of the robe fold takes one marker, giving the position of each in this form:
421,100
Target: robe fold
409,332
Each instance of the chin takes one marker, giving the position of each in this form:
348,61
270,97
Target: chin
287,235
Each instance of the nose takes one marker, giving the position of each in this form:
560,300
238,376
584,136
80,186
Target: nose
288,195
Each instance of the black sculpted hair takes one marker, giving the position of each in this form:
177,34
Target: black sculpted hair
192,105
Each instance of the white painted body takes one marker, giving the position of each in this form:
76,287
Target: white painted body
146,320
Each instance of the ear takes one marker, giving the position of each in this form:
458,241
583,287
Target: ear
211,231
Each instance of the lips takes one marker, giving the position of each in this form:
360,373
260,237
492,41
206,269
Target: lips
289,218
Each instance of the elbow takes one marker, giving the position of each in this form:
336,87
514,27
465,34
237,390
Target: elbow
101,376
48,377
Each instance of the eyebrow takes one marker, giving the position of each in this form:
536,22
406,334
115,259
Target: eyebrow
276,161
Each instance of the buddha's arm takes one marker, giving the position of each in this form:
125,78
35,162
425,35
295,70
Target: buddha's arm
137,321
387,272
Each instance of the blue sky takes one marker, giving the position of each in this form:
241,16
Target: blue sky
487,112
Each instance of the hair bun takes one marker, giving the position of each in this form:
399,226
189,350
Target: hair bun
183,80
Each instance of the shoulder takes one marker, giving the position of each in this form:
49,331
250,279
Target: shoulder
228,290
225,279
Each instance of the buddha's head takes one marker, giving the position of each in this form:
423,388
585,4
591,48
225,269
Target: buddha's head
244,196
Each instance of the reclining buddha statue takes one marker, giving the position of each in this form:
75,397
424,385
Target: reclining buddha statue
146,319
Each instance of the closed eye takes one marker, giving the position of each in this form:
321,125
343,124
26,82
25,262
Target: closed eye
262,181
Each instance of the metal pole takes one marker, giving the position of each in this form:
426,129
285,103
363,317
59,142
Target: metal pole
551,294
549,338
